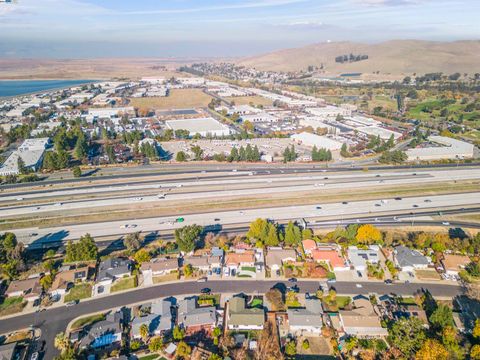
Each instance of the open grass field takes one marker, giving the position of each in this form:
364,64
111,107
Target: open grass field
178,99
79,292
248,100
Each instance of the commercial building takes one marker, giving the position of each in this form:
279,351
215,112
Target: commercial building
442,148
102,113
31,152
312,140
329,112
203,126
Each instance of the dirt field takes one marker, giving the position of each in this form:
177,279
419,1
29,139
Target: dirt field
178,99
246,100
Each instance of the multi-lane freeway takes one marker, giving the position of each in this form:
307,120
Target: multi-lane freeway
56,320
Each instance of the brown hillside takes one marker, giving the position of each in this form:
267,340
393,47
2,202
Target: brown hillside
396,57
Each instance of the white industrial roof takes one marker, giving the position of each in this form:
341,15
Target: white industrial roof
318,141
450,149
384,134
197,125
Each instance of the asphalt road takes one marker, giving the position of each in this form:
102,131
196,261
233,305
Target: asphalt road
339,211
151,170
55,320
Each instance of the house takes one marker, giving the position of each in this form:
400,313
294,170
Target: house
362,321
239,317
151,320
235,261
30,289
195,318
307,320
409,260
67,278
197,262
163,308
308,246
331,257
7,351
409,311
160,266
109,271
359,258
453,264
104,333
276,257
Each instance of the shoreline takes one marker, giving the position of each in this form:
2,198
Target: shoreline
87,82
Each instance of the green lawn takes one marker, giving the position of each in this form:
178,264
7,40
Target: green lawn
165,278
248,268
124,284
212,300
12,305
79,292
151,357
88,320
343,301
257,303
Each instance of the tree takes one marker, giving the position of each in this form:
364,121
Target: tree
272,238
216,335
132,241
46,281
61,342
215,357
476,329
367,234
183,350
197,152
275,298
344,151
432,350
292,234
22,169
83,250
135,345
178,333
142,256
187,237
407,335
77,172
188,270
81,147
475,352
155,344
393,157
144,332
441,318
181,156
258,230
307,234
291,349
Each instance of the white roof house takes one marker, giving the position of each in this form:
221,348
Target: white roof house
447,148
202,126
360,257
309,139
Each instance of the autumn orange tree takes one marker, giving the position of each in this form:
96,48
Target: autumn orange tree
368,234
432,350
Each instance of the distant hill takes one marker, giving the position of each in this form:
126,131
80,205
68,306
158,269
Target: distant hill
396,57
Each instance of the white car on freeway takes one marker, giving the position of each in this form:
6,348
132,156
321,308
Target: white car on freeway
128,226
138,198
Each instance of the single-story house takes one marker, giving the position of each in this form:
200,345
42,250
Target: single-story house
409,260
30,289
151,320
67,278
234,261
109,271
163,308
409,311
360,257
331,257
308,246
160,266
307,320
198,262
104,333
239,317
362,321
453,264
195,318
276,257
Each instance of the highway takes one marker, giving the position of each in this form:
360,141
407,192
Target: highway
336,211
204,189
55,320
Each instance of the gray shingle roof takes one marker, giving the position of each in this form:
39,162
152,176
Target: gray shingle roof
408,257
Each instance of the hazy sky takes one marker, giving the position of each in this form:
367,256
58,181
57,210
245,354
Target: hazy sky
186,28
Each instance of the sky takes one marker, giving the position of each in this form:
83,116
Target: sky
220,28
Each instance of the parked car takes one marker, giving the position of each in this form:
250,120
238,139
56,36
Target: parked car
388,282
72,303
206,291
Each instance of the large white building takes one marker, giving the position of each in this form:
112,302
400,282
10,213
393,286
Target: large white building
31,152
312,140
102,113
203,126
329,112
445,148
